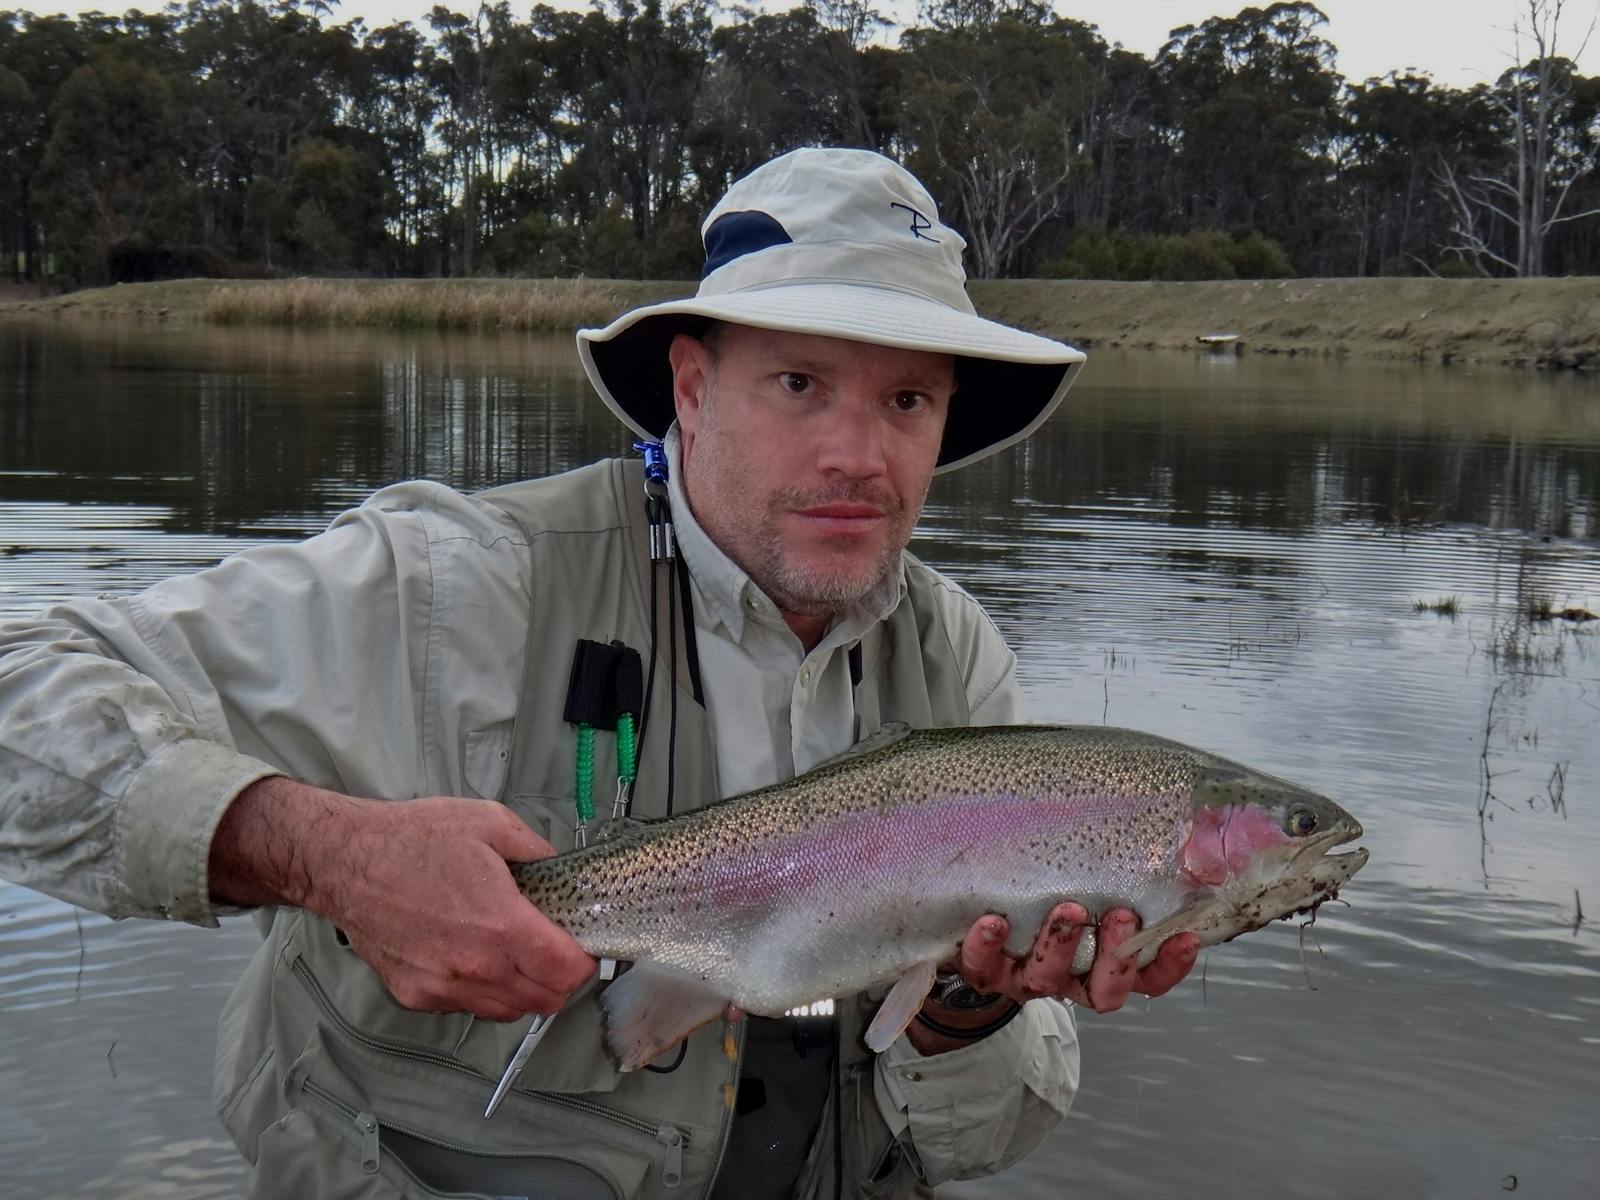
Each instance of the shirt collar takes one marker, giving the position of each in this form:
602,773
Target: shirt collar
731,595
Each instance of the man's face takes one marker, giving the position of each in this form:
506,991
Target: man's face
807,459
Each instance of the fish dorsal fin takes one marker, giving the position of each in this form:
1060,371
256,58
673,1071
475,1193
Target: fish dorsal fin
888,735
900,1006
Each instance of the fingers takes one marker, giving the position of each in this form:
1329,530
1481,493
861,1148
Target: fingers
544,965
1111,979
488,985
509,836
1172,964
983,961
467,940
1047,968
1047,971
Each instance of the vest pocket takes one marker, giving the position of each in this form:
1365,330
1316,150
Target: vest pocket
571,1059
485,760
363,1127
435,1166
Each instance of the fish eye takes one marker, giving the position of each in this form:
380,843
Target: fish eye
1300,823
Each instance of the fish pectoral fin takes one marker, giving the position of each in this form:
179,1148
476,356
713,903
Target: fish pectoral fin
900,1006
652,1008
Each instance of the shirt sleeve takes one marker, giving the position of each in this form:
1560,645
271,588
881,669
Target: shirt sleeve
127,725
976,1110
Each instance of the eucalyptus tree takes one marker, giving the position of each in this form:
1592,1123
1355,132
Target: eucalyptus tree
1394,131
636,75
111,176
391,96
764,93
852,70
261,79
37,56
992,112
20,119
1250,108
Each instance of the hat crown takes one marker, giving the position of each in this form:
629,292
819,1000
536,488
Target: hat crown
806,213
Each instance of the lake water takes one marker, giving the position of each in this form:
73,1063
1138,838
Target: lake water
1225,550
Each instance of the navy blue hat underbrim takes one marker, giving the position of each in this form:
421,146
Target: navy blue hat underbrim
996,401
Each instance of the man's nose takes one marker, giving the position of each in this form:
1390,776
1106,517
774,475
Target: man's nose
855,441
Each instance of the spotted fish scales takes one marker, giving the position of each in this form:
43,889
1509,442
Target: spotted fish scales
872,867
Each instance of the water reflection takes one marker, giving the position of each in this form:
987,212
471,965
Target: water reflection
1226,551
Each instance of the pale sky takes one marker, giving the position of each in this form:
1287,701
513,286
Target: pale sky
1459,42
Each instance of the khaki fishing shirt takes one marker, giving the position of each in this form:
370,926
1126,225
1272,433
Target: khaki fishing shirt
128,724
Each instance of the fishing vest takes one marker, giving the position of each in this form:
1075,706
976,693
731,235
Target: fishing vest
331,1088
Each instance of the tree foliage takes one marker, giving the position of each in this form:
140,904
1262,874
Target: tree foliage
270,136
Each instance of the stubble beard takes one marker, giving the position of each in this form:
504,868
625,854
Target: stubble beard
802,588
805,588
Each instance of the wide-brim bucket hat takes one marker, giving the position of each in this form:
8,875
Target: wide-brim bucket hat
846,244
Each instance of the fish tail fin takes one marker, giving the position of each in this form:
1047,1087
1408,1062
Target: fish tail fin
651,1008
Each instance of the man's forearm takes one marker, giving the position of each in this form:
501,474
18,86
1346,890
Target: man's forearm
420,888
276,841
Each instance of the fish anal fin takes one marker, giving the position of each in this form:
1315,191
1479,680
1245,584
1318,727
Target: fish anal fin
651,1008
900,1006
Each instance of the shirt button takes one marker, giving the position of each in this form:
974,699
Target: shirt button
914,1076
752,603
805,675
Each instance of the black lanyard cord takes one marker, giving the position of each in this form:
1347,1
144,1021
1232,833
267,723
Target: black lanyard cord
672,700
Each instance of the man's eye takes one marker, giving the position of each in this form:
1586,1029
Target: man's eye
794,382
910,401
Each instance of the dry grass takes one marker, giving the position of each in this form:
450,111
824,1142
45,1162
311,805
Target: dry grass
1523,322
1544,322
556,305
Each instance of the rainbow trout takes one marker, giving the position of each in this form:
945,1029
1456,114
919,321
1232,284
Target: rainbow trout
873,866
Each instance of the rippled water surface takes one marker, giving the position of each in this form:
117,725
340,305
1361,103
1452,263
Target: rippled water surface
1227,551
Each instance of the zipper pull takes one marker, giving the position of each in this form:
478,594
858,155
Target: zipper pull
368,1125
672,1138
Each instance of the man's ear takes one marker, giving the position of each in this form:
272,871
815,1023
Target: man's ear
691,373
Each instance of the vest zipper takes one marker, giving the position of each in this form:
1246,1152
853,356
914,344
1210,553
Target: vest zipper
727,1113
369,1128
671,1136
368,1125
673,1139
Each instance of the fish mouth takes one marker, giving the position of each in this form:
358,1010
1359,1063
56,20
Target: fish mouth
1318,845
1322,873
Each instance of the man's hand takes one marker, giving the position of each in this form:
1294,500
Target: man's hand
420,887
1046,970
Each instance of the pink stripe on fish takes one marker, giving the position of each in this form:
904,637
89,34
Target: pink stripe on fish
975,832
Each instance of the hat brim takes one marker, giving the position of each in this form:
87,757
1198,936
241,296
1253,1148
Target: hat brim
1008,381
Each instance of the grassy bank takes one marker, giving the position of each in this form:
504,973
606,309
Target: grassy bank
1534,322
1523,322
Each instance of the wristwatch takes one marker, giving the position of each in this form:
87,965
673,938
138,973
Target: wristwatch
952,991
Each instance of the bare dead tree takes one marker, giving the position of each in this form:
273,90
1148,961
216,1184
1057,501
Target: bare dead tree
1527,197
1007,194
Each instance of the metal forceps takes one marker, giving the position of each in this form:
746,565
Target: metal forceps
536,1031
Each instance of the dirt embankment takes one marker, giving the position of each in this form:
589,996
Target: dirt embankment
1528,322
1520,322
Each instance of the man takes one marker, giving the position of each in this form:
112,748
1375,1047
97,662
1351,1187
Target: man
357,734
